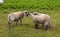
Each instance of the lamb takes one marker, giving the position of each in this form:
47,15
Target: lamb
43,19
14,17
1,1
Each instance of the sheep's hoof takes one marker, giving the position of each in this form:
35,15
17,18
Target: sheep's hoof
36,27
16,24
46,28
9,26
21,24
49,27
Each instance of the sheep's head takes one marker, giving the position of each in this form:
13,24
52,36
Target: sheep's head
26,13
35,13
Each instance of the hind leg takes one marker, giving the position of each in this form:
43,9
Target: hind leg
49,26
36,26
43,25
16,22
21,21
46,26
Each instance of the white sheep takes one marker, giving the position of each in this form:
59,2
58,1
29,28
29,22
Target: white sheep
1,1
16,16
43,19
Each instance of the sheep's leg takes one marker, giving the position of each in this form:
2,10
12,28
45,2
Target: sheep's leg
9,23
46,26
21,21
16,22
43,25
49,26
36,26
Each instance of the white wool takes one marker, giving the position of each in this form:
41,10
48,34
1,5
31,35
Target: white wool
11,17
15,17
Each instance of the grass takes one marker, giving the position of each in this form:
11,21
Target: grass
31,5
28,30
50,7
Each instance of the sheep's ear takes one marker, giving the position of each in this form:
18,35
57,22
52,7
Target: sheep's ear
25,12
35,14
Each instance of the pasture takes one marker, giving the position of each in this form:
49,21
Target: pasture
50,7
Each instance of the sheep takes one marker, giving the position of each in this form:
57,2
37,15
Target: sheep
1,1
43,19
14,17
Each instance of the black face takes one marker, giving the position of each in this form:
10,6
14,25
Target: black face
27,13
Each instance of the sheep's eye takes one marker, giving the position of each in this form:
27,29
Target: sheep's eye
35,14
26,12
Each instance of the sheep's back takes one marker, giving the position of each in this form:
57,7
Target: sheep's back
41,18
14,15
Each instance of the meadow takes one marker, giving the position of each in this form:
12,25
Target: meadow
50,7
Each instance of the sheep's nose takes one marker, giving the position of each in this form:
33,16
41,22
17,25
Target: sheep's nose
26,15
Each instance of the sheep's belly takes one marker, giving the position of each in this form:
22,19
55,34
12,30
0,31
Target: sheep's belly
38,20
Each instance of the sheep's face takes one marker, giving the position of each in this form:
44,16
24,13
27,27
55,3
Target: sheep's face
26,13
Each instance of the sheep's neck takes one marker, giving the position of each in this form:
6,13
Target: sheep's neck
31,16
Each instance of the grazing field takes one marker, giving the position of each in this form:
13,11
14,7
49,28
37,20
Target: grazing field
50,7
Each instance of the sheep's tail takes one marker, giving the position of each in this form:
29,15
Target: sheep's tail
49,23
9,18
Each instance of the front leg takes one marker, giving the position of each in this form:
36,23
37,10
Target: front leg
43,25
21,21
9,23
36,26
16,22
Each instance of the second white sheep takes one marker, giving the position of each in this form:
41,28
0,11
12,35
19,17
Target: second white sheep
43,19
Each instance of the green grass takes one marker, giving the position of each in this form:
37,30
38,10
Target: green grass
50,7
31,5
